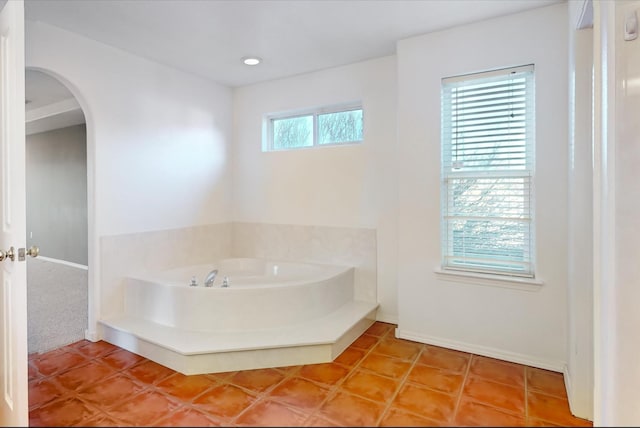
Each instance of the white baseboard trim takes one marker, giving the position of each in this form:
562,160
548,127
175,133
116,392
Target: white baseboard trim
63,262
578,407
91,335
387,317
500,354
567,386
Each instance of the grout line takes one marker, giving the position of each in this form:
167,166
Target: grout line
261,395
526,396
290,373
309,412
333,391
464,383
401,384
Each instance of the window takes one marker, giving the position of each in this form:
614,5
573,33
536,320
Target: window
326,126
487,172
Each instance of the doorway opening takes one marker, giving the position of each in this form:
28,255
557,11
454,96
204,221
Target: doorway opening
56,208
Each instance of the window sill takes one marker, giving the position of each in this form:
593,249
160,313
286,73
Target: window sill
525,284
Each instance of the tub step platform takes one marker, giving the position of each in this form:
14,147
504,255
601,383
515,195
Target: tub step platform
316,341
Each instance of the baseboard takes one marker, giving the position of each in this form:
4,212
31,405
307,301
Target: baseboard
567,386
500,354
387,317
91,335
63,262
577,405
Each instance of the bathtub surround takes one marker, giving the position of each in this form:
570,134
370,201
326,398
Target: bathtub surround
263,293
130,255
343,246
127,254
56,303
275,313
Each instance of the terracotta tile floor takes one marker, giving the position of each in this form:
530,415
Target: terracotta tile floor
378,381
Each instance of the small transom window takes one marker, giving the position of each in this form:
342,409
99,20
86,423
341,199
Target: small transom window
318,127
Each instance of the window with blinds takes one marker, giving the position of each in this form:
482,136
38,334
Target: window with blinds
487,172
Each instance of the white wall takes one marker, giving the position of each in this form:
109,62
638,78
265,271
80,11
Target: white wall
579,372
56,169
340,186
616,213
158,141
161,136
509,323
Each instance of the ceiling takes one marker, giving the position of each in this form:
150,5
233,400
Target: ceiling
42,90
49,104
209,37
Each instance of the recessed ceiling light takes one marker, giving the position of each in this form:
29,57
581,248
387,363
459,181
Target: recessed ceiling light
251,60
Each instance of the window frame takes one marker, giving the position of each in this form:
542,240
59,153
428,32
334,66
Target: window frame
268,137
447,242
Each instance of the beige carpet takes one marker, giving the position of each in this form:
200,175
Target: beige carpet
56,304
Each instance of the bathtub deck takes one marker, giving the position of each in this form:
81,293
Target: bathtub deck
194,352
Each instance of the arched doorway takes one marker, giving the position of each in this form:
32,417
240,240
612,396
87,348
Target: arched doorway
57,215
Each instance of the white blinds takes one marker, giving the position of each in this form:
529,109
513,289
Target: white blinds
487,172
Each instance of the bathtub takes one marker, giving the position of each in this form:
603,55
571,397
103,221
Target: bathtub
262,294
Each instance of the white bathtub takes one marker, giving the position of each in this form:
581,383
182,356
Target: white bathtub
262,294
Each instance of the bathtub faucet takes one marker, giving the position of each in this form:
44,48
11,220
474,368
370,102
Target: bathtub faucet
208,281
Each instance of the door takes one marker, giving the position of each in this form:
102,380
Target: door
13,275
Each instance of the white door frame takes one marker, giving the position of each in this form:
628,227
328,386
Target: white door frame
14,390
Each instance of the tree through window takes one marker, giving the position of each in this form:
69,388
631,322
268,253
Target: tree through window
487,172
326,126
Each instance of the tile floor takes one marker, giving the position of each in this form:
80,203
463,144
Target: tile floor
378,381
